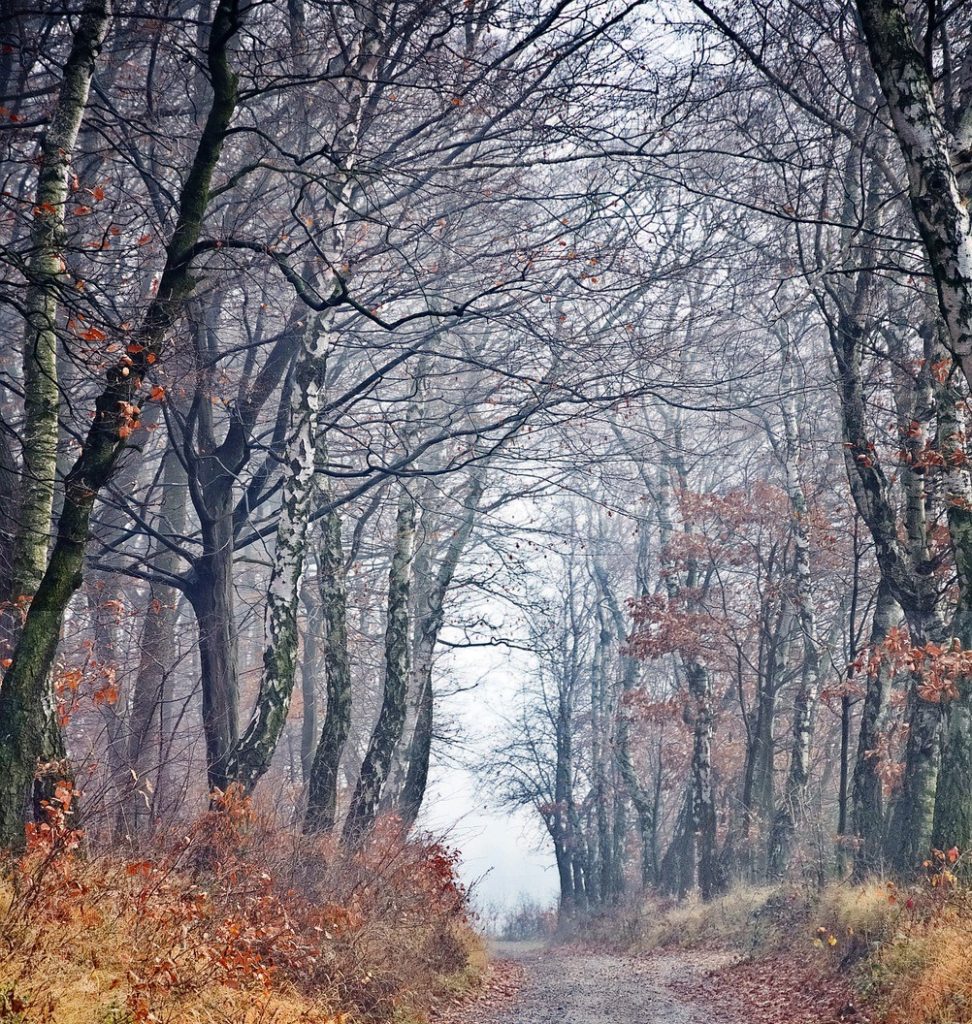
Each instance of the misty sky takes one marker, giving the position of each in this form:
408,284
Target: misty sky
506,855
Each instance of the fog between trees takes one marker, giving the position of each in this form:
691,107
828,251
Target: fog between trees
633,336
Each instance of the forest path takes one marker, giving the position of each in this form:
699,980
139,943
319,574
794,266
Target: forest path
563,986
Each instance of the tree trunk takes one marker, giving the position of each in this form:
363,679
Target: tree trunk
867,802
419,753
953,798
937,198
251,757
618,839
701,824
793,806
759,782
601,890
323,785
30,740
311,667
45,273
429,609
210,591
391,718
904,567
146,737
641,797
909,838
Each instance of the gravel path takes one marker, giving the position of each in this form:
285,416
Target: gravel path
569,987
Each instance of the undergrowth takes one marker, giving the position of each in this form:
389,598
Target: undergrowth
234,920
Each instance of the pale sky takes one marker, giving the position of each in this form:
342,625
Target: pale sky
506,855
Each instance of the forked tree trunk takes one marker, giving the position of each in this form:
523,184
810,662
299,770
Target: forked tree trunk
642,798
700,866
430,612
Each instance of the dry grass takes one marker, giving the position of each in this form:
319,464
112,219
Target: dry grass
856,917
917,965
925,978
907,951
733,920
236,922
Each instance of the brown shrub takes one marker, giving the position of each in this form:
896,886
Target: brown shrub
231,918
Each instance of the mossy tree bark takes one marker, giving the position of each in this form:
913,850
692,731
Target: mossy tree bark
46,271
901,544
323,783
251,756
387,734
30,740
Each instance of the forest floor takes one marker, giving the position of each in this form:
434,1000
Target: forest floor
536,984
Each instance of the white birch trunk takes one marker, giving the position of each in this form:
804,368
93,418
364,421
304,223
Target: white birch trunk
792,808
45,275
937,198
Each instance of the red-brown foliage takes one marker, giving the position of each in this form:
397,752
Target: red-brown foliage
233,903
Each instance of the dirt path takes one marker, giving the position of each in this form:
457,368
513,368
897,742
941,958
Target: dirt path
568,987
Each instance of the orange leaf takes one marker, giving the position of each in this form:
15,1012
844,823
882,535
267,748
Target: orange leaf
94,334
157,393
